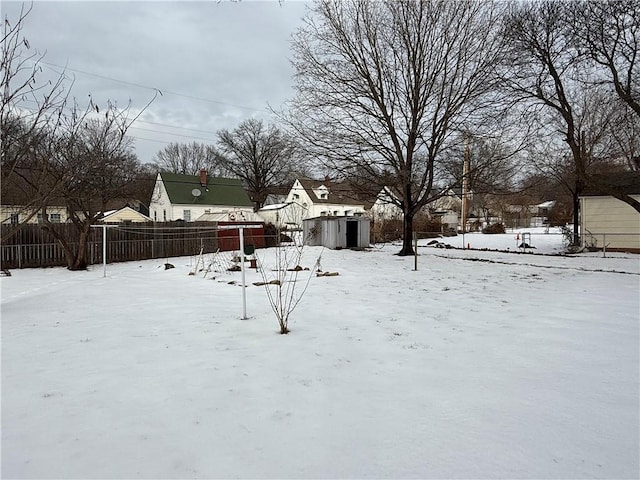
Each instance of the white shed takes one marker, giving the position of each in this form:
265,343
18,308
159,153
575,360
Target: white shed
610,223
337,231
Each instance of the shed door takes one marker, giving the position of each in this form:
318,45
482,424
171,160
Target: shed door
352,234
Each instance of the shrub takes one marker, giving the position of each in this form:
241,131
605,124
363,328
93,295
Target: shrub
494,228
391,230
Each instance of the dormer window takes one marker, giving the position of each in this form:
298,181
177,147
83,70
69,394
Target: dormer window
321,192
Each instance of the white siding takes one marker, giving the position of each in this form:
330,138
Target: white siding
7,210
126,214
610,222
303,207
160,203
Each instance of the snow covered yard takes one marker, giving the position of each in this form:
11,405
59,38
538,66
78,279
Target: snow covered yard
478,365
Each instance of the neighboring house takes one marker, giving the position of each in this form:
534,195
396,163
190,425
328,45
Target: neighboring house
231,216
611,223
188,197
541,216
384,207
124,215
310,199
16,214
525,215
282,215
446,208
18,198
337,232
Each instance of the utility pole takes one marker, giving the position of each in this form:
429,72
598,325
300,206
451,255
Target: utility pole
465,182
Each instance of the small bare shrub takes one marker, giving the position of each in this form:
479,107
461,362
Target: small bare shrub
281,280
494,228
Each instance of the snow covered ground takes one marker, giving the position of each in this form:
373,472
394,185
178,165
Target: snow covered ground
478,365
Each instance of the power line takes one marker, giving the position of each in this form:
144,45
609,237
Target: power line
147,87
169,133
97,115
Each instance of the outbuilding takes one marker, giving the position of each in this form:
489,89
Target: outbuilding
337,232
608,222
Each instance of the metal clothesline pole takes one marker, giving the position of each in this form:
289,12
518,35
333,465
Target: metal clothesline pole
244,289
104,227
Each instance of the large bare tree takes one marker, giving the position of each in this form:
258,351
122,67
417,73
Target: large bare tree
261,155
382,86
545,72
92,163
188,158
608,33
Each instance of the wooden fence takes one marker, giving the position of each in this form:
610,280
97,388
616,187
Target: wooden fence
34,246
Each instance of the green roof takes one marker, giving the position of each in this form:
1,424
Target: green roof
219,191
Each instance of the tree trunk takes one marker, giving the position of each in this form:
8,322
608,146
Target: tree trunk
407,235
576,218
80,260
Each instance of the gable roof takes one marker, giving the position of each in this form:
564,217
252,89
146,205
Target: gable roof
339,193
109,216
219,190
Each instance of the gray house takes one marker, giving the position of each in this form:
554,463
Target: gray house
337,231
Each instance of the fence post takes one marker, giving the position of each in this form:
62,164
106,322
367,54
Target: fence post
415,251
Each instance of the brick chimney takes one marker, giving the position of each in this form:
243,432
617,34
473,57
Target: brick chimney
203,177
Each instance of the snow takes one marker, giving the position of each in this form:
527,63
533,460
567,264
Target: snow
479,364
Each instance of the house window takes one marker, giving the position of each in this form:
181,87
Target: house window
14,219
155,216
164,215
42,218
335,212
296,196
55,218
186,215
323,196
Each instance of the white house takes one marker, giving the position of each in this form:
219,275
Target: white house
384,207
189,197
15,214
310,199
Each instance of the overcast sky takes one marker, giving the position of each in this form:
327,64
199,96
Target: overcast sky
216,63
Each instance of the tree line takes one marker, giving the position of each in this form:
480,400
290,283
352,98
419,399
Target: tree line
419,97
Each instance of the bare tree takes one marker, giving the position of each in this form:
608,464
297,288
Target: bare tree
30,110
493,166
625,137
281,280
93,163
262,156
608,32
188,158
543,72
381,86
